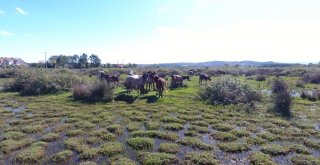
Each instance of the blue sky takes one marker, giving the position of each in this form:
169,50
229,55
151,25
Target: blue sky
155,31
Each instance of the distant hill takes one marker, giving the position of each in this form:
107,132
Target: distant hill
219,63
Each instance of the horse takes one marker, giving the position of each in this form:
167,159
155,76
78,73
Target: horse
160,84
204,77
192,72
114,79
177,79
108,78
186,78
135,82
150,79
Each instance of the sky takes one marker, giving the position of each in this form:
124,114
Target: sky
160,31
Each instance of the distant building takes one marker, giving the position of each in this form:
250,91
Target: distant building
11,61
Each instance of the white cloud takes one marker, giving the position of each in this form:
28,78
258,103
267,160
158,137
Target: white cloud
162,9
2,12
21,11
5,33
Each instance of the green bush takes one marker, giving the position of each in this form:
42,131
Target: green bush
311,95
42,81
281,98
260,78
7,73
228,91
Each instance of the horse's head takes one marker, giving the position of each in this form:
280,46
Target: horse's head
156,78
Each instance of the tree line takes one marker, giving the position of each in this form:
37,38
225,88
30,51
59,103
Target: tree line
75,61
78,62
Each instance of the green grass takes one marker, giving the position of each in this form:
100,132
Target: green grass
153,125
222,127
116,129
255,141
13,135
72,133
111,148
173,126
152,158
30,155
201,158
224,136
141,143
233,147
133,126
195,143
122,161
89,153
105,129
156,134
170,148
300,149
61,156
260,158
8,146
240,133
305,160
268,136
199,129
50,137
76,144
275,150
32,129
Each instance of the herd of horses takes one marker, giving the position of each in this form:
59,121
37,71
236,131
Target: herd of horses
150,81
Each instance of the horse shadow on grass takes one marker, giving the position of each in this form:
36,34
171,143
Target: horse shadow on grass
126,98
150,99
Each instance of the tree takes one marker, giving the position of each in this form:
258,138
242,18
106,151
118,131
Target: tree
62,60
83,60
94,60
53,61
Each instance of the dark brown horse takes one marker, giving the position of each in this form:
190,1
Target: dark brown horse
160,84
108,78
150,79
204,77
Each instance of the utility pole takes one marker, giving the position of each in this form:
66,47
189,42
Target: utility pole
45,59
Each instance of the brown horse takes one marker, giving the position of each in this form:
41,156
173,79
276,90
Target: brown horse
160,84
108,78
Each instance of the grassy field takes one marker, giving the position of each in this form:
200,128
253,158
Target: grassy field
175,129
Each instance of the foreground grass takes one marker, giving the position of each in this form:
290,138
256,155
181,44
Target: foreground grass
56,129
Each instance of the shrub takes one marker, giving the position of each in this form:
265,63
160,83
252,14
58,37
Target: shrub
81,92
300,83
228,91
281,98
100,91
260,78
312,77
95,92
310,95
7,73
41,81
